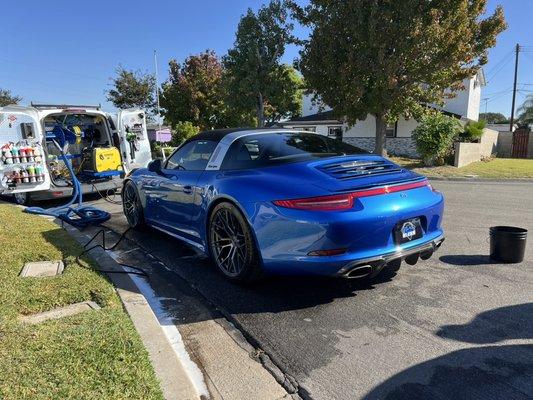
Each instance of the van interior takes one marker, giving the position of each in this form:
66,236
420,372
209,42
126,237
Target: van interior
87,141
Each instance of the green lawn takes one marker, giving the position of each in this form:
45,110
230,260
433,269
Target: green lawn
496,168
93,355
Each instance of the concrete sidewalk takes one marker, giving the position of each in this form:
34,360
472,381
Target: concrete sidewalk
214,360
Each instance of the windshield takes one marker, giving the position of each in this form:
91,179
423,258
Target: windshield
267,149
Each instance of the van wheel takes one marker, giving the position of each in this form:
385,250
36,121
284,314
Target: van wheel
23,199
231,245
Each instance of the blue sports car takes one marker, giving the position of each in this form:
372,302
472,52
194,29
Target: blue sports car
287,202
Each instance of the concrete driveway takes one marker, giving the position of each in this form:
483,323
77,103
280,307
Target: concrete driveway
454,327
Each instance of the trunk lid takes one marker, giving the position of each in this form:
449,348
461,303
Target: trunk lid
340,174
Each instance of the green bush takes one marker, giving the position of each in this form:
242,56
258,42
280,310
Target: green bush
473,131
182,131
434,137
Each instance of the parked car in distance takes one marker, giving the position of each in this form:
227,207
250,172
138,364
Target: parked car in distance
287,202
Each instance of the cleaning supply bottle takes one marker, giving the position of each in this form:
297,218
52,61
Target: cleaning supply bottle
7,156
15,152
16,176
31,173
29,154
37,153
25,176
39,173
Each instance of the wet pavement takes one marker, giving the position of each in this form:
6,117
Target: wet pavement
457,326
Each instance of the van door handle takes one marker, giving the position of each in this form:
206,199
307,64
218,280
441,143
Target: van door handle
187,189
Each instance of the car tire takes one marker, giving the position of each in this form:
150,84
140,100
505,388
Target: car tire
232,246
132,206
23,199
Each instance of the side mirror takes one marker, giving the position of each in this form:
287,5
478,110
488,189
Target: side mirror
155,166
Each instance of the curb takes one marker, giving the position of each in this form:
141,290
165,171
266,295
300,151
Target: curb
174,381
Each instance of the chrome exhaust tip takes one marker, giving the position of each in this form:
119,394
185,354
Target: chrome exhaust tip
359,272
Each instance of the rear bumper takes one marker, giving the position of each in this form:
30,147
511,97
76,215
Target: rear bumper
378,262
56,192
286,238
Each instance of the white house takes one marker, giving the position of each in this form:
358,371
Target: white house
464,106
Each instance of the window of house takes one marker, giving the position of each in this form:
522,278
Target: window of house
390,130
335,132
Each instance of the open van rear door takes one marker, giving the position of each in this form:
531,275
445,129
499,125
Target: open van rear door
134,143
22,160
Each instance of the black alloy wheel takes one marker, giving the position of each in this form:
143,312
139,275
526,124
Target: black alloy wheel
131,205
231,245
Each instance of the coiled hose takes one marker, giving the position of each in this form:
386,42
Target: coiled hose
76,215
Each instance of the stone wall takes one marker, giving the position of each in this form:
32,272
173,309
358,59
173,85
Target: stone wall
467,153
398,146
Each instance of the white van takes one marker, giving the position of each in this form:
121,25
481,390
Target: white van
31,168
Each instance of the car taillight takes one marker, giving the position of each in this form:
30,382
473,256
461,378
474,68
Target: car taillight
325,203
329,252
344,201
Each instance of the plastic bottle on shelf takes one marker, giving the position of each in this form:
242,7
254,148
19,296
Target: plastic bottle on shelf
22,155
31,173
25,176
15,152
7,156
16,176
39,173
37,154
29,154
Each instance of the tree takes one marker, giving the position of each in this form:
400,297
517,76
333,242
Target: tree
132,89
388,58
492,117
256,79
194,92
526,111
6,98
182,131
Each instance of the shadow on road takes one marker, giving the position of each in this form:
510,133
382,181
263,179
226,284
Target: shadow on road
512,322
490,372
466,259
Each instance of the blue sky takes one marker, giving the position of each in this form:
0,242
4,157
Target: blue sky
66,51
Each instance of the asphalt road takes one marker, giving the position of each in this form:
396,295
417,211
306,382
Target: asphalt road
454,327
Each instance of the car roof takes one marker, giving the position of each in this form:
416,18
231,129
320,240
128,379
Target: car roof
217,135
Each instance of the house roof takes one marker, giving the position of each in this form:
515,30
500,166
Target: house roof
327,118
321,117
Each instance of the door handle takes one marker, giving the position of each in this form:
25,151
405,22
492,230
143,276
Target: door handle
187,189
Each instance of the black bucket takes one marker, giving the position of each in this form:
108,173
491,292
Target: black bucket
507,244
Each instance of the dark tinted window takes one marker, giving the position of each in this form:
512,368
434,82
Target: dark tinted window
279,148
192,156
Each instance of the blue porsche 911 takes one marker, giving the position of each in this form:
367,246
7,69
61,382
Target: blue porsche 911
287,202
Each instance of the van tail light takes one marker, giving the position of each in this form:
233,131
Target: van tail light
338,202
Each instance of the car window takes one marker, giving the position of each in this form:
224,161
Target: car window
278,148
192,156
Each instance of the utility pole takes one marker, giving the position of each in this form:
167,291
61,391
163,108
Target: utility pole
486,100
517,50
157,90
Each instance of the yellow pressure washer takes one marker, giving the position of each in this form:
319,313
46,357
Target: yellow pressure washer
101,162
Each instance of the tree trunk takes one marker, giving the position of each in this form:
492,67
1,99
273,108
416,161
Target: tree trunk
260,111
380,136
